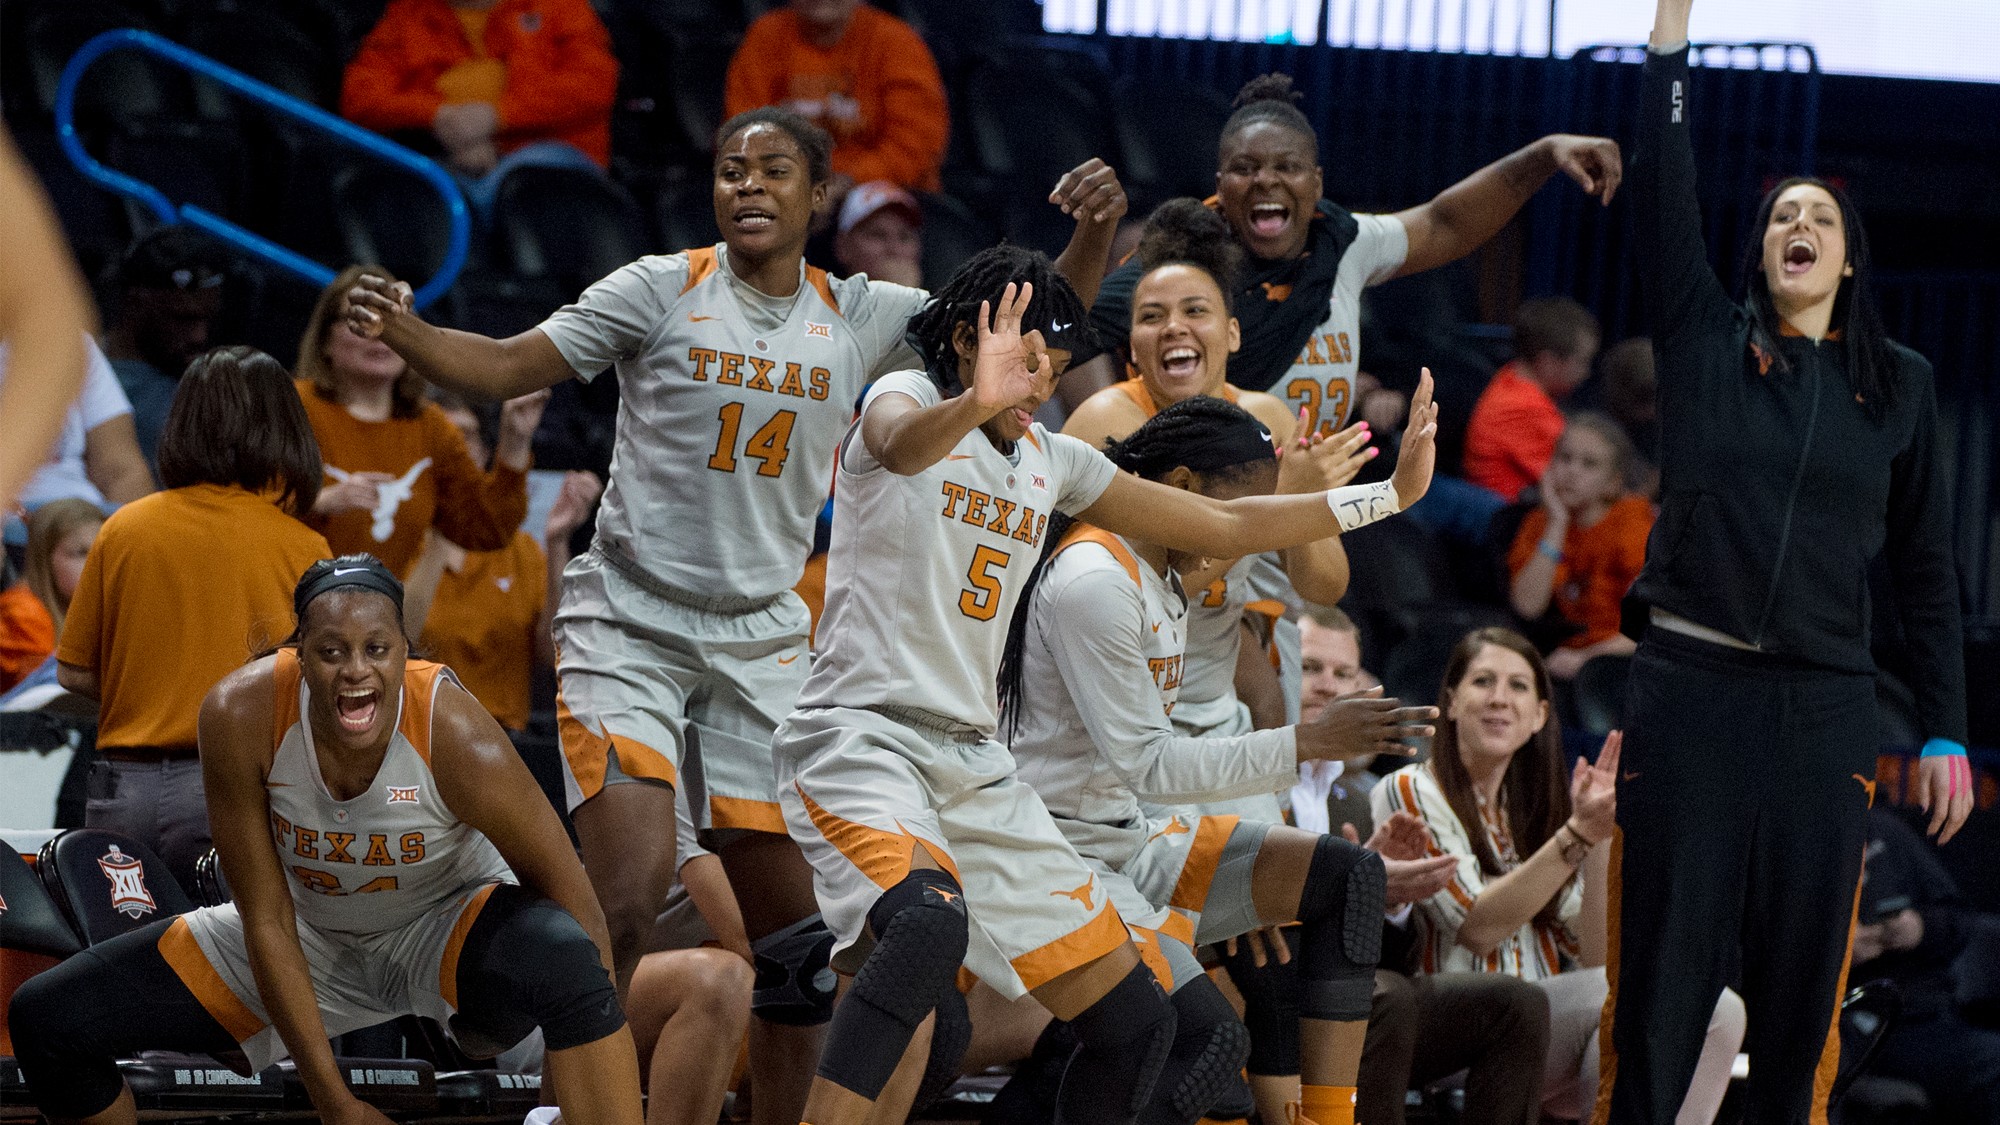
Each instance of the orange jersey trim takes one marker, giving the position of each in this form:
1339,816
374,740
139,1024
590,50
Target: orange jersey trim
184,956
1211,835
1607,1063
420,682
586,750
824,284
742,812
881,855
455,944
701,263
1073,950
1829,1052
1085,533
1135,389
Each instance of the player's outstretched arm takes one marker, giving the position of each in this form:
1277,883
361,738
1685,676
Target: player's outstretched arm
1465,215
1670,24
464,362
44,315
234,731
1198,524
1091,194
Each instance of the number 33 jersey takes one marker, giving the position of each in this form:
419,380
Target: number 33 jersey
730,405
925,569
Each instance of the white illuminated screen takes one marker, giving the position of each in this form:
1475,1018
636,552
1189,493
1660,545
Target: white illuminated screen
1949,39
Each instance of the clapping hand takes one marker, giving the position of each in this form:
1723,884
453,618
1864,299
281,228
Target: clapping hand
1593,792
1311,461
1417,458
1404,844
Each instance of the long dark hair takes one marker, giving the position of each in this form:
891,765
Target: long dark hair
237,420
985,277
1870,367
1150,452
1534,793
406,394
1188,232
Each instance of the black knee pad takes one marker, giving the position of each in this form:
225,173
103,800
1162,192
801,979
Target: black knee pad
951,1035
527,963
1210,1045
1122,1045
795,983
1270,1005
1340,942
920,939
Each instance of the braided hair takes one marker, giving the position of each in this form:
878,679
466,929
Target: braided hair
1269,98
985,277
1150,452
815,143
1188,232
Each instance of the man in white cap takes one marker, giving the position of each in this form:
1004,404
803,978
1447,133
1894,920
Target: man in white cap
880,233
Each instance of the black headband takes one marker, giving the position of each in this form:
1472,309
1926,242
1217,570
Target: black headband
1236,443
364,572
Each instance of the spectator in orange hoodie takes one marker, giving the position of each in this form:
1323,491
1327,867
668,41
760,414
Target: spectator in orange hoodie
499,83
859,73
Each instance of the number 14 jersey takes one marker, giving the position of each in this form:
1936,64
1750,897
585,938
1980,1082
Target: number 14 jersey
730,405
925,569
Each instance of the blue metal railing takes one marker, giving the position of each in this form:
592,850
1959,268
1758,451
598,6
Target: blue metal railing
203,219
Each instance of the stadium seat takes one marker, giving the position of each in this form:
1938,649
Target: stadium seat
205,164
1394,566
565,224
1168,133
35,924
209,883
264,43
1867,1014
1416,665
684,212
1599,692
107,883
119,87
953,233
388,217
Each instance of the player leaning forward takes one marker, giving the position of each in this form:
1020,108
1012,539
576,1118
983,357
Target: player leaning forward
415,817
927,851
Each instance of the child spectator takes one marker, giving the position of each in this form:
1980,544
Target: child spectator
859,73
396,466
1581,550
1513,430
31,611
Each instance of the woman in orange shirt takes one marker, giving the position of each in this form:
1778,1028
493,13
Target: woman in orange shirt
1583,547
395,465
31,611
183,586
489,619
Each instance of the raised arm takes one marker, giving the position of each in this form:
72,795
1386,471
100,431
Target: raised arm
464,362
483,781
1465,215
1317,570
45,313
1676,284
1092,195
234,730
1191,522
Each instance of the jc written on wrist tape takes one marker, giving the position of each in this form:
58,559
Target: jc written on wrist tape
1358,505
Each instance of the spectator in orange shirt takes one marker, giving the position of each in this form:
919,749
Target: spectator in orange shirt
395,465
1513,430
183,586
489,619
499,83
859,73
31,611
1581,550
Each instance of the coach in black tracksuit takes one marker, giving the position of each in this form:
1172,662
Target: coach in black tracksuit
1797,443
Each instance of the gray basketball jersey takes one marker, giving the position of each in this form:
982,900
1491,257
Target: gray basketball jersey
1208,703
1322,378
925,569
1101,671
388,856
730,405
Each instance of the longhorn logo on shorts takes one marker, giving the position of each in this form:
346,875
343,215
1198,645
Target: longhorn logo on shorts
1080,894
129,895
403,795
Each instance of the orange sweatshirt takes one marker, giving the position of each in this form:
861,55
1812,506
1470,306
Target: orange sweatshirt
877,91
1599,564
437,484
561,78
27,634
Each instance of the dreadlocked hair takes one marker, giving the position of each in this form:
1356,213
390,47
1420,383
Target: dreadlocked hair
1150,452
985,277
1188,232
1270,98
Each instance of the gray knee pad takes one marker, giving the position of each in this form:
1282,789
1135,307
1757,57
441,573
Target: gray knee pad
795,984
1341,939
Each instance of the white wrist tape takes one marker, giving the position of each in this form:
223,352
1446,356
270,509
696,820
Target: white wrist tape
1358,505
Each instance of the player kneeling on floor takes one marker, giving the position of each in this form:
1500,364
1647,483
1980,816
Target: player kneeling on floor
373,821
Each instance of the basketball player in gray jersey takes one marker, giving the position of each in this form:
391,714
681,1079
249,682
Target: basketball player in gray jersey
927,851
373,821
680,643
